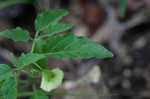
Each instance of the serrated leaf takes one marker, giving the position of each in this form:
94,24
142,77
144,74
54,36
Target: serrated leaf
47,18
27,59
17,34
51,79
9,88
52,29
71,46
38,46
39,95
5,71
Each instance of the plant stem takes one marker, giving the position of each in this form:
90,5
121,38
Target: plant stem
34,41
17,77
37,65
24,94
64,94
33,46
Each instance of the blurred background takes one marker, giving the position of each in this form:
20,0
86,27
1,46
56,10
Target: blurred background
123,30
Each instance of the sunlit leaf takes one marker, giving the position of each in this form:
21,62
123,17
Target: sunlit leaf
5,71
56,29
27,59
50,17
71,46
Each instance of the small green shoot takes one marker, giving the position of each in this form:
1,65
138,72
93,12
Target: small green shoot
60,46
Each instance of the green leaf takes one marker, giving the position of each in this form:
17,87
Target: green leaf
27,59
5,71
38,46
51,79
47,18
9,88
71,46
17,34
38,49
52,29
39,95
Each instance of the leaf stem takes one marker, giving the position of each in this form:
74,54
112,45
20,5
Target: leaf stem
34,41
33,46
17,77
37,65
24,94
65,94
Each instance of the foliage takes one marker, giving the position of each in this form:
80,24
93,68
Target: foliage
17,34
57,45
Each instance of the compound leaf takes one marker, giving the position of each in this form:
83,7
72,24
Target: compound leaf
17,34
5,71
71,46
47,18
27,59
9,88
52,29
51,79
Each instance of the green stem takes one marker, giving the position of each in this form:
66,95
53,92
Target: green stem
24,94
17,77
37,65
32,50
33,46
64,94
34,41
